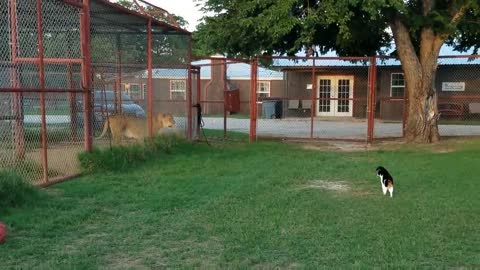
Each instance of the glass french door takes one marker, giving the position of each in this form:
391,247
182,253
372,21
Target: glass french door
333,95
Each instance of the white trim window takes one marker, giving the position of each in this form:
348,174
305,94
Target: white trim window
178,89
144,90
263,89
135,91
397,85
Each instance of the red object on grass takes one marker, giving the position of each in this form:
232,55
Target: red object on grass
3,232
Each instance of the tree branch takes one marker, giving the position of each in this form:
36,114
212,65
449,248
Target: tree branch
403,42
427,6
430,44
457,15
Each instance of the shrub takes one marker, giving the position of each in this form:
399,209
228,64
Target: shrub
14,190
123,157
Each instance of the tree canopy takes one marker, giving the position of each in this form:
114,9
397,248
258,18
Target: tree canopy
130,5
350,27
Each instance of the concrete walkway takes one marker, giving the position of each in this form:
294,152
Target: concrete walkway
300,128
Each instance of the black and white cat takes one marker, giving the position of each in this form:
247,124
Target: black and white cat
386,180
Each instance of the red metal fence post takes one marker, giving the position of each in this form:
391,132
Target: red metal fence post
313,96
199,93
371,98
253,101
72,97
41,74
17,110
118,80
225,98
86,74
189,104
190,91
150,80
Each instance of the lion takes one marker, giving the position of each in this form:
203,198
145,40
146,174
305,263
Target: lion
133,127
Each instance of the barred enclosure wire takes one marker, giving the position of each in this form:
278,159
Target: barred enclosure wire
119,65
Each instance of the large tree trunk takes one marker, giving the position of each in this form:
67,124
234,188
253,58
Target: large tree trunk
419,72
422,113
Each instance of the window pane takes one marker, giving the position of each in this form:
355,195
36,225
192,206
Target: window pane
178,85
397,85
178,89
264,89
325,90
262,95
343,105
398,91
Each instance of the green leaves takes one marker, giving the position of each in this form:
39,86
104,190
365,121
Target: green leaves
246,28
351,27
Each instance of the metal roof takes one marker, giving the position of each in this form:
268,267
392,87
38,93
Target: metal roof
447,57
235,71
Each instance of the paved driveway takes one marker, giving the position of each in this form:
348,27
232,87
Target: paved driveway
300,128
50,119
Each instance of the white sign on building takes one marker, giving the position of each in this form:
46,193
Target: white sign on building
453,86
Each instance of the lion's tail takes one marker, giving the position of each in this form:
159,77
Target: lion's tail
105,129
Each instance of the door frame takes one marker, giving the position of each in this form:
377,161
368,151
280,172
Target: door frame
334,94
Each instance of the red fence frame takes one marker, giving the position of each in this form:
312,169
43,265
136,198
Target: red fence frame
85,62
370,95
371,91
17,91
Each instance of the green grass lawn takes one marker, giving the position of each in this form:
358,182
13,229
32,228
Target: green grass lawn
261,206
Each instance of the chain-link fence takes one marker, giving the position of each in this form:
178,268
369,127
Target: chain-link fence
40,127
65,66
342,98
224,97
139,69
312,98
458,87
458,90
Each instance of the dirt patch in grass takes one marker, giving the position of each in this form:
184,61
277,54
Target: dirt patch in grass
338,186
338,146
62,158
123,261
443,150
446,145
55,192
